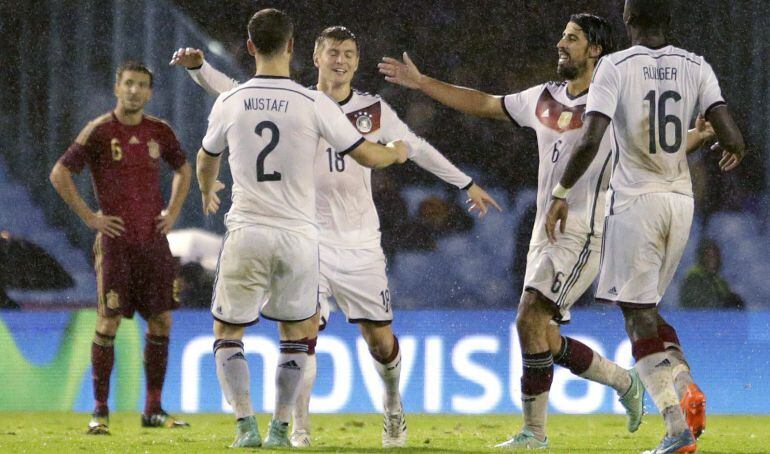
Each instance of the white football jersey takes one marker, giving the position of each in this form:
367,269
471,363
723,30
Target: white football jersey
346,214
557,118
651,96
272,127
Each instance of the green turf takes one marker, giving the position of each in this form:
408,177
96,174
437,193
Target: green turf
65,433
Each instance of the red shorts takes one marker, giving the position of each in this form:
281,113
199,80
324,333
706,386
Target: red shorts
134,277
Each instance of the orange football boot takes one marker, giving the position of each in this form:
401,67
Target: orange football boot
694,408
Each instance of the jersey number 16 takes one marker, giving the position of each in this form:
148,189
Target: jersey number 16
663,122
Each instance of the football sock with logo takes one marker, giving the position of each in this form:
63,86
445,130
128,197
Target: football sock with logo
302,406
102,360
654,369
291,363
390,371
535,385
680,369
155,362
587,363
233,375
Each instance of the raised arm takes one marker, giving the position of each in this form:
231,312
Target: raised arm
202,73
466,100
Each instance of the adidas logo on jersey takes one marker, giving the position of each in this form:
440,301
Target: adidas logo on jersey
290,365
133,140
546,113
613,291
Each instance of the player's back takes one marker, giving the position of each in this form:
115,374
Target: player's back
651,96
272,126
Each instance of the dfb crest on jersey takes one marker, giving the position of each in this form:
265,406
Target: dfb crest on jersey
564,119
153,148
364,122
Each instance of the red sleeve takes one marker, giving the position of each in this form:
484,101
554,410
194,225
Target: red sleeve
76,157
172,150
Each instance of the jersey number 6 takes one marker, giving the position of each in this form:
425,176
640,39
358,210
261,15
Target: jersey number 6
274,137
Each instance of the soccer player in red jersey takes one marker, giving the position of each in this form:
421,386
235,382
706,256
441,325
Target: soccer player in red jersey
134,267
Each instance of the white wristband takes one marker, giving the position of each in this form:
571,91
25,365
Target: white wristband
560,192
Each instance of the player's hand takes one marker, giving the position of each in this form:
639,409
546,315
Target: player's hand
729,161
478,200
165,221
557,213
211,199
396,72
704,129
187,57
401,148
112,226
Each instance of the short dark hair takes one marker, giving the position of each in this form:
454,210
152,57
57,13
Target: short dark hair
131,65
270,29
650,14
597,29
336,33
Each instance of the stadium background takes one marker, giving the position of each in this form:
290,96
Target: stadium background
58,60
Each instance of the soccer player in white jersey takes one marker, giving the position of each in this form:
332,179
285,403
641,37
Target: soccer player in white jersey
556,274
268,265
649,93
352,261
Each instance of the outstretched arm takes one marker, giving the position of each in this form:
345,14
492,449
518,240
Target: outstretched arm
466,100
202,73
376,156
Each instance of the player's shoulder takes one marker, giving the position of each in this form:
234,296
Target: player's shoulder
159,124
280,83
92,126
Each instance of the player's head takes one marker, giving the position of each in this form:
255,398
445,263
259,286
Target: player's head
133,86
271,34
647,17
336,55
585,39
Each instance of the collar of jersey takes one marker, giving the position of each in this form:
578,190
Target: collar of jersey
341,103
270,77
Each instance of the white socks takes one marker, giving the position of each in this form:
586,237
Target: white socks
655,372
390,374
302,405
233,375
535,409
287,379
608,373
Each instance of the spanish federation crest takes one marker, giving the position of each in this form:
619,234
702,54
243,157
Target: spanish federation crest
364,122
153,148
113,301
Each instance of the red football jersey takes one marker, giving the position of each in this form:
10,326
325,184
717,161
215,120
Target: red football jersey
125,167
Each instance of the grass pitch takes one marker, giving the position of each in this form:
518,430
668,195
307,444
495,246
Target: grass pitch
65,432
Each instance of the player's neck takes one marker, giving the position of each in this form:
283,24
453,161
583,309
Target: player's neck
651,40
272,67
128,118
579,85
338,93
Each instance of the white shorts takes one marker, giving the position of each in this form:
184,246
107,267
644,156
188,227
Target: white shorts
562,272
357,281
265,271
642,247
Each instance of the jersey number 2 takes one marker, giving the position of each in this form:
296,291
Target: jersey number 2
274,137
663,122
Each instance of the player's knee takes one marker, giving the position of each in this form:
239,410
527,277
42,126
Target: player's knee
159,324
227,331
641,323
107,325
